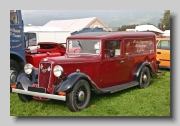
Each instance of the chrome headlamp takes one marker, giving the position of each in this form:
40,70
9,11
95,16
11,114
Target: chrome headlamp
28,68
58,71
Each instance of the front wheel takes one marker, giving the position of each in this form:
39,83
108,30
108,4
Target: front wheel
22,97
144,78
79,97
14,71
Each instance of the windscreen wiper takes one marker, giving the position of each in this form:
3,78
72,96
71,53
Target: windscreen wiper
80,45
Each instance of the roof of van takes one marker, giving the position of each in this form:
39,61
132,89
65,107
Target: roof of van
40,28
113,34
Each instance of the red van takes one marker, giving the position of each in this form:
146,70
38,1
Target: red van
94,62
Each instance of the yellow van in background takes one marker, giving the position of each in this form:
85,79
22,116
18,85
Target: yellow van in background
163,51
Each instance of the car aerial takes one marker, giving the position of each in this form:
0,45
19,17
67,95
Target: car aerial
163,51
101,62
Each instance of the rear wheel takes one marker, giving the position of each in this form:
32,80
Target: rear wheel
79,97
14,71
144,77
22,97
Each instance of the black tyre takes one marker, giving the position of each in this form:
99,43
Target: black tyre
14,71
22,97
144,77
79,97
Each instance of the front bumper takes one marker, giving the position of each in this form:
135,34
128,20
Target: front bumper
37,94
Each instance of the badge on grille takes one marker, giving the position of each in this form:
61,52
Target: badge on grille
44,70
45,59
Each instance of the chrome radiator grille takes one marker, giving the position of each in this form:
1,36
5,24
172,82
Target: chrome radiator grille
44,74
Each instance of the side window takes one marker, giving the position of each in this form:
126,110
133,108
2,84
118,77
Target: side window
112,45
31,39
13,17
164,44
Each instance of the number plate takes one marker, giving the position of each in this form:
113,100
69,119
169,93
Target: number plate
36,89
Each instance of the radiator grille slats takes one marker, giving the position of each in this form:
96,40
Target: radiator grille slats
44,74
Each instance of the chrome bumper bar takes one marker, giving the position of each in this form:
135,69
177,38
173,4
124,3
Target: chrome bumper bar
44,95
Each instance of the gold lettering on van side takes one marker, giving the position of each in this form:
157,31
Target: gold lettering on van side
142,42
140,50
140,45
128,44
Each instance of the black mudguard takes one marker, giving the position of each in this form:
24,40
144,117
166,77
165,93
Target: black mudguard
25,81
68,83
140,66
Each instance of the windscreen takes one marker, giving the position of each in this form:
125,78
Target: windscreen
30,39
84,46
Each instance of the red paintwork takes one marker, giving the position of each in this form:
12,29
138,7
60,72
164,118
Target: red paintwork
107,72
47,49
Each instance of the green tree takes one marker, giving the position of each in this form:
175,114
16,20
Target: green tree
124,27
164,22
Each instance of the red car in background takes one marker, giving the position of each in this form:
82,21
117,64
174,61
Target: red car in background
46,49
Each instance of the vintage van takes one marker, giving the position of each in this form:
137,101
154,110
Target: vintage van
94,62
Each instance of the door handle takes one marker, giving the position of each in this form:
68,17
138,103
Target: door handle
121,61
158,52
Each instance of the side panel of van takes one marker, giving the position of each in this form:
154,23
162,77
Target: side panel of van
138,50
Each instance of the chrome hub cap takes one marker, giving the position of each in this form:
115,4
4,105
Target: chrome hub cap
144,78
81,96
13,76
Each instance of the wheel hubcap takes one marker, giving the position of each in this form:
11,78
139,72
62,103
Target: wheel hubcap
81,96
144,78
13,76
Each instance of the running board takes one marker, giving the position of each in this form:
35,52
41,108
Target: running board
119,87
43,95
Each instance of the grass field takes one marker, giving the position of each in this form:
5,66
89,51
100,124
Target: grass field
152,101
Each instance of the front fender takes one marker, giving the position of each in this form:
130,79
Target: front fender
25,81
68,83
